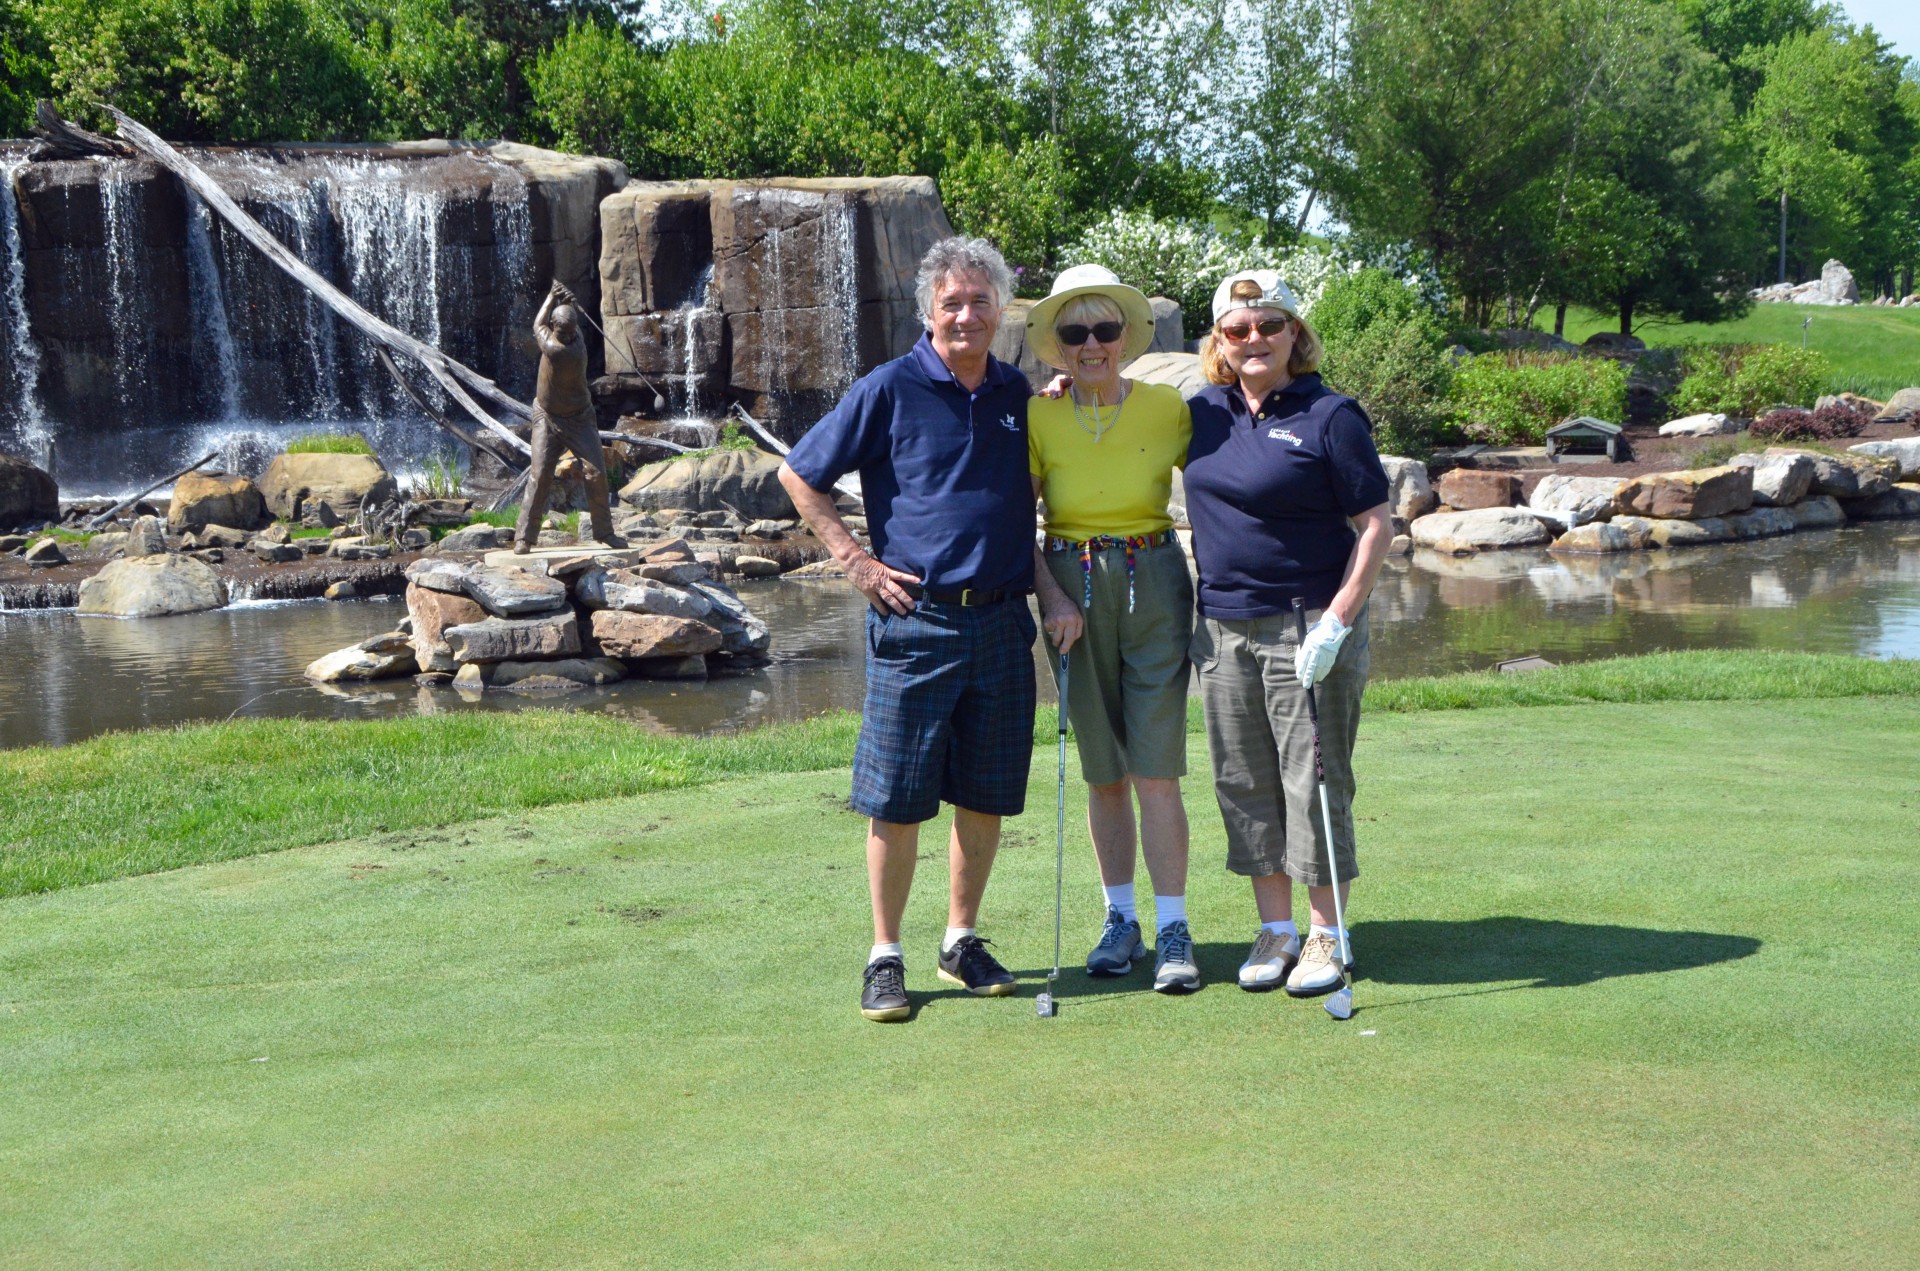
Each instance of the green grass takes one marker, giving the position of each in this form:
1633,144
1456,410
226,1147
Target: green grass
330,443
1873,351
70,815
1637,992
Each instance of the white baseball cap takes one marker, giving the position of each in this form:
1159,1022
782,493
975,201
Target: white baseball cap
1274,294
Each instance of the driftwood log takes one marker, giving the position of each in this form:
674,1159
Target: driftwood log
55,138
124,504
466,385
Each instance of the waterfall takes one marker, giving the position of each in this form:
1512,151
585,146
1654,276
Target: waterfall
513,276
29,421
210,323
127,291
390,230
838,242
689,332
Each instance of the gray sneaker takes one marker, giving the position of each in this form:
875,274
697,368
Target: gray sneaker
1174,970
1119,946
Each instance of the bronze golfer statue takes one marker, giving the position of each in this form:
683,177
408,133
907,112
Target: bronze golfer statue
563,419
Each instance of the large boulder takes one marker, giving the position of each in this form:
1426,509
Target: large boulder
201,499
1779,480
1904,451
296,486
1837,286
1902,408
645,635
152,587
741,633
1594,537
147,537
745,481
1578,499
1176,370
1465,489
510,592
1847,476
1760,523
1482,529
432,613
380,658
1409,493
547,635
1714,424
1818,512
28,496
1689,496
1898,502
1659,532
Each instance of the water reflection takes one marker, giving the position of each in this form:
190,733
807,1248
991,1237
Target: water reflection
1840,591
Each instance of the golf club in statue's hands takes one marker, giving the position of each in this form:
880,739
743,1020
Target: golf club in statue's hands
1043,1005
1340,1005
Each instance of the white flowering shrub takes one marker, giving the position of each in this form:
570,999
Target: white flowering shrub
1185,261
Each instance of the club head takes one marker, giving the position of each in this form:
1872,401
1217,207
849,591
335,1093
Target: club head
1043,1006
1340,1005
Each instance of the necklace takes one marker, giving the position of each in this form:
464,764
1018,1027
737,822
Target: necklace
1092,423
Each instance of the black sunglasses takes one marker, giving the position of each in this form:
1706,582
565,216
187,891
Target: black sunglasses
1075,334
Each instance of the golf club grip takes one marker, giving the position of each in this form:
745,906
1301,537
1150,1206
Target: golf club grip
1300,638
1062,712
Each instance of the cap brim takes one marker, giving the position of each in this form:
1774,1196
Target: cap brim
1134,306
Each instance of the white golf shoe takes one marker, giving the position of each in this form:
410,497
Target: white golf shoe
1273,956
1318,970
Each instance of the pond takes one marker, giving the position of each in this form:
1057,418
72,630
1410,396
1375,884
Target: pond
1854,590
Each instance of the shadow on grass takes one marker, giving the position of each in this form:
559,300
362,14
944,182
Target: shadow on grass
1552,954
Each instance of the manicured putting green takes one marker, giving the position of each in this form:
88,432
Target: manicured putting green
1638,991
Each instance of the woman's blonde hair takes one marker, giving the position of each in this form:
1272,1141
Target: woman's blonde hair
1090,309
1306,344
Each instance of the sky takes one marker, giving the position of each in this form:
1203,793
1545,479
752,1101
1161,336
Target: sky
1895,20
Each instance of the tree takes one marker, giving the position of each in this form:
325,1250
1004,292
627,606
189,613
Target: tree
1276,125
1811,127
1737,31
26,68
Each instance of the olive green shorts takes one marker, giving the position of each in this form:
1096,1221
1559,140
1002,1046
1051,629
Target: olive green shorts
1261,739
1127,676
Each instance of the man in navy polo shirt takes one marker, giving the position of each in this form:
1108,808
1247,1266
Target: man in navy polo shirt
939,438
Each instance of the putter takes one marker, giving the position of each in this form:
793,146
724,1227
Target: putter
1340,1005
1043,1005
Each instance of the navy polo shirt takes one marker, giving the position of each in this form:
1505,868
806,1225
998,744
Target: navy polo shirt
943,470
1269,496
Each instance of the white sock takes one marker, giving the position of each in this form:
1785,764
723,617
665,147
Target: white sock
885,951
954,936
1120,896
1168,910
1320,930
1281,928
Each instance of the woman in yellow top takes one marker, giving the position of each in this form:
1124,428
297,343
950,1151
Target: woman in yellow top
1116,596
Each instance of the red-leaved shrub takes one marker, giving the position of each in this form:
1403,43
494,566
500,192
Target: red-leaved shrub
1829,423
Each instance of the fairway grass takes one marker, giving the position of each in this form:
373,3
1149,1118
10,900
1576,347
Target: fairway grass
1872,349
1637,990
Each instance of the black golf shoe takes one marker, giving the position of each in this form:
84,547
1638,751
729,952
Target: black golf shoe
884,996
969,965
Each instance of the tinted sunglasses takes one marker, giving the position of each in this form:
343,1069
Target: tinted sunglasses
1241,332
1075,334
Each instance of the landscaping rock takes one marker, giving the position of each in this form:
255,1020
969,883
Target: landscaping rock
1594,537
681,575
1638,529
1673,533
757,566
1779,480
1764,522
436,513
432,613
435,575
547,635
357,547
584,672
773,531
28,496
630,592
1895,503
1904,451
1400,545
45,553
147,537
1468,489
1579,498
1847,476
1689,496
687,668
1409,492
274,553
1818,512
1902,408
746,480
296,486
152,587
642,635
222,536
342,590
817,569
1484,529
509,593
201,499
1707,425
473,538
382,657
672,552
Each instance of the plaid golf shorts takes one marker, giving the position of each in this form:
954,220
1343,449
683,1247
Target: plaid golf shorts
948,713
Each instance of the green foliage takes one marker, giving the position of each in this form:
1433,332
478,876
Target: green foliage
440,76
1354,302
330,443
1745,379
26,66
1018,199
441,478
1513,398
1385,348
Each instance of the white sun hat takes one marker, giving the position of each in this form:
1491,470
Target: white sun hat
1089,280
1274,294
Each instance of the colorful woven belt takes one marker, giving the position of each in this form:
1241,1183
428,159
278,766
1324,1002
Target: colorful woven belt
1101,543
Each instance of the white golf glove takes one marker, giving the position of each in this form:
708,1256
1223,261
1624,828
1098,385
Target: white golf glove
1314,660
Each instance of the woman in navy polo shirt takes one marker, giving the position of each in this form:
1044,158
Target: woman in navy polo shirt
1287,498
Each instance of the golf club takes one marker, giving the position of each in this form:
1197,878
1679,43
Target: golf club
1043,1005
1340,1005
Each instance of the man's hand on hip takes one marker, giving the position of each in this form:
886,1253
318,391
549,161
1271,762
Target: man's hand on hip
881,584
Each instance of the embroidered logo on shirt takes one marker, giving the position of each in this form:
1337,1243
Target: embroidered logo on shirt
1283,434
1009,423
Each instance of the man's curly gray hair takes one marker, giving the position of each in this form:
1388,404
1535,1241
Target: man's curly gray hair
957,255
